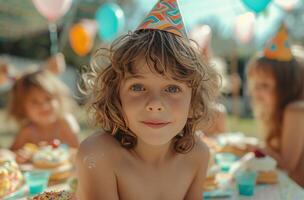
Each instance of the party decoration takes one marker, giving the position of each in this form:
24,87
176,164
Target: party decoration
111,20
202,35
287,5
244,27
165,16
256,5
82,36
278,47
52,9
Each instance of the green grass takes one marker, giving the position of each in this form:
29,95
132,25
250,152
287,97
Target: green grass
247,126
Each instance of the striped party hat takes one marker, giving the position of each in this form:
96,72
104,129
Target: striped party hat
278,47
165,16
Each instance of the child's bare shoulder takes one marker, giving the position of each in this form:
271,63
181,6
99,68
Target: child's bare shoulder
200,152
297,106
294,112
70,122
100,144
26,129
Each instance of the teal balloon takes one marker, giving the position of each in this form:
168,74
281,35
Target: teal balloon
111,21
256,5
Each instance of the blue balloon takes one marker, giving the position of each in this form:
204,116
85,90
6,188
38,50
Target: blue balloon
256,5
111,21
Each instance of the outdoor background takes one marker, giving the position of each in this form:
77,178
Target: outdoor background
238,31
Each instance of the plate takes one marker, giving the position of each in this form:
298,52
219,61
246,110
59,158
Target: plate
20,193
218,193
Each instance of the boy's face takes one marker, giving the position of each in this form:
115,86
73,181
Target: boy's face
155,108
40,106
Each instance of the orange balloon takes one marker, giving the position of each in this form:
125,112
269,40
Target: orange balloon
82,36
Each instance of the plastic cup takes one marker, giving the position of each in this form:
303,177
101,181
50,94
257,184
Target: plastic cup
225,160
37,181
246,182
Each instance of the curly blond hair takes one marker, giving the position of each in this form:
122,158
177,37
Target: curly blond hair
166,54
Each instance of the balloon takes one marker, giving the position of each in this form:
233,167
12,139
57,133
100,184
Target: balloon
287,4
111,21
244,27
256,5
202,35
52,9
82,36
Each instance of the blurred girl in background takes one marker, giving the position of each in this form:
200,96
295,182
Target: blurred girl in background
40,104
276,86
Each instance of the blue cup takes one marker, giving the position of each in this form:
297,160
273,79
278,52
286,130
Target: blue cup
246,182
225,160
37,181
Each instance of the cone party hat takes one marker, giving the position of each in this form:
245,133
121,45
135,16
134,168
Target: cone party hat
278,47
165,16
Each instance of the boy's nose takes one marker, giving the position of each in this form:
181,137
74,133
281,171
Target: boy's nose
155,105
155,108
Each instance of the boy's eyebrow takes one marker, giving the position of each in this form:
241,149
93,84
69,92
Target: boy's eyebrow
134,76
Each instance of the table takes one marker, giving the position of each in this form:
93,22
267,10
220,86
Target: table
21,194
286,189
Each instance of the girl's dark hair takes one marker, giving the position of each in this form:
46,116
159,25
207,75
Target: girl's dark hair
289,87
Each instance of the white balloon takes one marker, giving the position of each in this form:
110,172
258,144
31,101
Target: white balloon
244,27
52,9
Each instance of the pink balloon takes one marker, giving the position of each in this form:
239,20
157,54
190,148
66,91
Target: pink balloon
287,4
244,27
52,9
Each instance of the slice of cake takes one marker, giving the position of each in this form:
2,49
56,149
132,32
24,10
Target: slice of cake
264,165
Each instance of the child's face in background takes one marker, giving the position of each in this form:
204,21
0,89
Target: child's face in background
40,106
155,108
262,90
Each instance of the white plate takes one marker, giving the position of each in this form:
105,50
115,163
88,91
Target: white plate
20,193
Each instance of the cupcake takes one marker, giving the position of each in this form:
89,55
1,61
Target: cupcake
56,159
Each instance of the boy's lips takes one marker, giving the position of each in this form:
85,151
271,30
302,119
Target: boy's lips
155,123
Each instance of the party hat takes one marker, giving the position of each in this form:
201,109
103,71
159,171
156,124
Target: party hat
165,16
278,47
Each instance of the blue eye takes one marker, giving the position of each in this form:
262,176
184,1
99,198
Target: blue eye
137,88
173,89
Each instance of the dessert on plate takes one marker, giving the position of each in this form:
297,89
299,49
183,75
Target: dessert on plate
11,178
264,165
56,158
61,195
236,143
